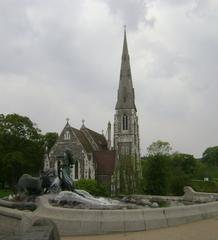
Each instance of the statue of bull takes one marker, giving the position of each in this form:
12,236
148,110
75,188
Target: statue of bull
33,185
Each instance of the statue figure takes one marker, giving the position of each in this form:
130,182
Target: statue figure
33,185
64,170
67,181
47,181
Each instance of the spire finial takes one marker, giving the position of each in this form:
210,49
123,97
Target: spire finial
83,123
124,27
67,119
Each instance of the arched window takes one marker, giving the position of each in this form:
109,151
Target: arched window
125,122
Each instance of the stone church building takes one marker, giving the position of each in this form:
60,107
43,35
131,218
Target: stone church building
94,155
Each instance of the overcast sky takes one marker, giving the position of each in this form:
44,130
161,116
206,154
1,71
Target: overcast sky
61,58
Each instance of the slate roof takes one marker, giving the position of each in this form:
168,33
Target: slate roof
99,139
83,140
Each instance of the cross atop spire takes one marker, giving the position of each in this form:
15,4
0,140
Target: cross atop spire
125,98
83,123
67,120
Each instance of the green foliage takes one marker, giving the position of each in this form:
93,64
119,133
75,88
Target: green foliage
92,187
177,181
210,156
18,126
159,148
201,170
202,186
156,175
14,163
4,193
186,162
165,173
21,148
50,139
182,168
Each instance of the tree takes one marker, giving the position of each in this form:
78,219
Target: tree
14,163
21,147
210,156
186,162
18,126
182,168
159,148
50,139
157,172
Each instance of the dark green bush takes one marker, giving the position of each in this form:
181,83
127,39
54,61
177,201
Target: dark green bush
4,193
93,187
202,186
156,175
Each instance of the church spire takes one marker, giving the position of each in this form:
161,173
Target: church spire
125,98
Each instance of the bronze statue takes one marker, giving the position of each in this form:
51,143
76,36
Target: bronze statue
64,170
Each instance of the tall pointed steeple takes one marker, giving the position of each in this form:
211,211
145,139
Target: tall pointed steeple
126,128
125,97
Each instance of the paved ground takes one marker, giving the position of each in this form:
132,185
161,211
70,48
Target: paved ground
203,230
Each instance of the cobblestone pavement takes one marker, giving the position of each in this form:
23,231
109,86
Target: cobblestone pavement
202,230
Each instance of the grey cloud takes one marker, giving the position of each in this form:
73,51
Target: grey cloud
61,59
178,3
132,12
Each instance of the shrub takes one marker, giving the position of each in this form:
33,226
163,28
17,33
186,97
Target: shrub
156,177
201,186
4,193
93,187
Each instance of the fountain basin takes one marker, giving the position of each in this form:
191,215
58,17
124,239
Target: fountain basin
84,221
87,221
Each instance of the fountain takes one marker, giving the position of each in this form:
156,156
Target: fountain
76,212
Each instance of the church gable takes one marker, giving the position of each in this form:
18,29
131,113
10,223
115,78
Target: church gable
67,135
74,140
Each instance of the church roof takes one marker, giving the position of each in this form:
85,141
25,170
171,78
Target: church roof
125,96
98,138
83,140
89,139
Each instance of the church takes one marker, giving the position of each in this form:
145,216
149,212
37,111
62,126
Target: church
95,156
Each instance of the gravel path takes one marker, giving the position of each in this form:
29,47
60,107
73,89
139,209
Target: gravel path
202,230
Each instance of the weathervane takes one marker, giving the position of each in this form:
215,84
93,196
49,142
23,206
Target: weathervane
67,119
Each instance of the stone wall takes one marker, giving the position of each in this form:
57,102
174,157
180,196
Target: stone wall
199,197
11,227
10,220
